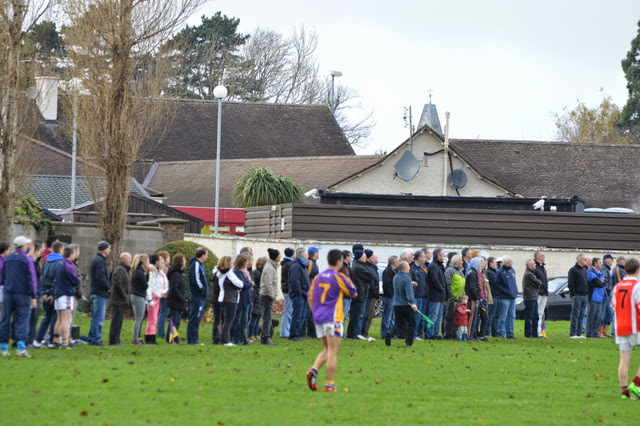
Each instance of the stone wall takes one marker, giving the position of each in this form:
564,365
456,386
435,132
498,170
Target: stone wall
172,229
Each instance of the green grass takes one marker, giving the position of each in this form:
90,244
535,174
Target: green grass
553,381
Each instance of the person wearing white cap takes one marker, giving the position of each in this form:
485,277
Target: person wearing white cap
20,295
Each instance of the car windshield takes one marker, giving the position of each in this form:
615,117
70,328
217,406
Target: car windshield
556,283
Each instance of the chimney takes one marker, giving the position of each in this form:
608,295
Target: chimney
47,98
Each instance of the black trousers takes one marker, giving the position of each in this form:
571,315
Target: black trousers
354,318
267,308
448,328
228,315
217,322
48,322
117,314
405,315
175,317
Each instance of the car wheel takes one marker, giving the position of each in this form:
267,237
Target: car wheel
378,308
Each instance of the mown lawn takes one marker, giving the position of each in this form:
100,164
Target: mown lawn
546,381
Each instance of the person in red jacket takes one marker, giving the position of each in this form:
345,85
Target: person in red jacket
461,317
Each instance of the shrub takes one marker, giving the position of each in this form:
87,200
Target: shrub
188,250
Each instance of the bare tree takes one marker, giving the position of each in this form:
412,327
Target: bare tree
16,18
354,119
111,45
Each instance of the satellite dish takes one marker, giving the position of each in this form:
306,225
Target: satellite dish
457,179
31,93
407,166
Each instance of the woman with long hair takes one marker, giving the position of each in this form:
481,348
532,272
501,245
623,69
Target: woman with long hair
176,300
219,275
138,294
231,282
158,287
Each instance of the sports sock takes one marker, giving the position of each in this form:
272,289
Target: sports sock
4,347
636,380
20,345
625,391
329,384
65,342
56,338
315,370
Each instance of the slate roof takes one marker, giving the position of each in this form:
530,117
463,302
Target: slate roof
603,175
430,118
43,159
193,183
249,130
54,192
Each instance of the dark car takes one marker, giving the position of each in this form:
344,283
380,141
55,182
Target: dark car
558,304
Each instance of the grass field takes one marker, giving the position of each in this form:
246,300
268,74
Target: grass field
545,381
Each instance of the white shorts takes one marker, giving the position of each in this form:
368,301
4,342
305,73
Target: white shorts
330,329
65,303
626,343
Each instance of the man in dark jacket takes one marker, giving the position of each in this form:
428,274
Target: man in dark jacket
361,277
299,284
492,309
309,328
289,256
47,288
579,292
387,296
437,293
507,288
198,292
543,293
374,292
20,296
100,288
419,275
530,291
120,283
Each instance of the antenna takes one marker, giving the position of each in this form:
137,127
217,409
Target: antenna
408,122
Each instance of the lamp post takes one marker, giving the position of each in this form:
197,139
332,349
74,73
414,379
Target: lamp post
219,93
334,74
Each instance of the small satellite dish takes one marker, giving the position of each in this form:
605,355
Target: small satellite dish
457,179
407,166
31,93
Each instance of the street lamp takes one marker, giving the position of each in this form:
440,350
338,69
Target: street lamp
334,74
219,93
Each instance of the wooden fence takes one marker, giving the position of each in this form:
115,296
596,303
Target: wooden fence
445,226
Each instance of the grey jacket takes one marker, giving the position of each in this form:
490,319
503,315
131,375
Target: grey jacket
530,286
269,281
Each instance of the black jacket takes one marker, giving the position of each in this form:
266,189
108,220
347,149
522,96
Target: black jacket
387,281
139,282
361,277
120,283
284,277
437,284
541,274
100,285
176,299
374,284
578,285
490,273
472,285
530,285
299,281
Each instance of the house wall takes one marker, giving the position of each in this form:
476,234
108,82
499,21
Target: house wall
381,179
558,261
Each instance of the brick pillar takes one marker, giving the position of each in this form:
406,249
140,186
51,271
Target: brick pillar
172,229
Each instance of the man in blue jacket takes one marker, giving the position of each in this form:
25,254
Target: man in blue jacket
507,287
419,275
299,284
100,289
596,296
198,292
403,303
20,296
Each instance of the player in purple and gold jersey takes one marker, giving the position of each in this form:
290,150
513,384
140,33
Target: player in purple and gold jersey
325,301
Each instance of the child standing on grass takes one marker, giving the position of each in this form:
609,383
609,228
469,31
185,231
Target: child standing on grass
461,317
626,305
325,300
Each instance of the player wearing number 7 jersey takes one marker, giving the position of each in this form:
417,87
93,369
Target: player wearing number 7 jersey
325,300
625,302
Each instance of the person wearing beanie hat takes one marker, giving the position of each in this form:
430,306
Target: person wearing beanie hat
100,289
357,246
268,294
357,254
369,253
361,277
289,255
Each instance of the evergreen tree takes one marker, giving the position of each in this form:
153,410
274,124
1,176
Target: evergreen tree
630,116
261,187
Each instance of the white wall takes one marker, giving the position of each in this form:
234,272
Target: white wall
558,261
381,179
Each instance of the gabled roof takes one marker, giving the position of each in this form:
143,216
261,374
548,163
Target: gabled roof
193,183
54,192
249,130
604,175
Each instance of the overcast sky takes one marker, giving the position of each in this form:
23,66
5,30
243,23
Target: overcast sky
501,68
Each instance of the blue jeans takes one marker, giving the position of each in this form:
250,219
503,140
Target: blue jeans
98,309
239,328
593,321
48,322
298,317
607,312
163,313
355,311
346,306
491,329
531,318
195,316
578,310
435,314
286,316
362,325
506,313
421,324
20,305
387,317
254,325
